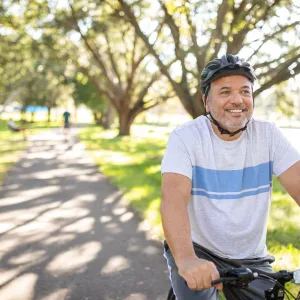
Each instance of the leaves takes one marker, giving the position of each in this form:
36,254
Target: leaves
202,30
122,45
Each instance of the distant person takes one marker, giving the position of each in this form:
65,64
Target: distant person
67,123
15,128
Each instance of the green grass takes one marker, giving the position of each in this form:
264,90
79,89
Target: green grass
283,237
133,164
11,145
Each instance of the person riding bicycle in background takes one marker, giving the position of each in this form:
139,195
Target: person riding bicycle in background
216,186
67,124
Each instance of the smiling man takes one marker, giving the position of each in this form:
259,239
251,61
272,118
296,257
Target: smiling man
216,186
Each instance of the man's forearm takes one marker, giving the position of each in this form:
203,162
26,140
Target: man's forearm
176,227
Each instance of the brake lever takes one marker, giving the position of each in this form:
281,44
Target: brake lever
239,277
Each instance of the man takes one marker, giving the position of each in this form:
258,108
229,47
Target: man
216,186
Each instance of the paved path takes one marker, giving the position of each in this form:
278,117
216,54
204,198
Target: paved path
66,234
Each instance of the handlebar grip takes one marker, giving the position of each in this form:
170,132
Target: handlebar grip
214,282
222,273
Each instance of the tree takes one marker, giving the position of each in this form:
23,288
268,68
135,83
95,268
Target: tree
23,60
265,32
110,53
86,93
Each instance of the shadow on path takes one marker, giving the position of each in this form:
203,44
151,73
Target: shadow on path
66,234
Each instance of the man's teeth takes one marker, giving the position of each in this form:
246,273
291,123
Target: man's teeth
235,110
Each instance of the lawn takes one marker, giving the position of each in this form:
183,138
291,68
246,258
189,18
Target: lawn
133,164
12,144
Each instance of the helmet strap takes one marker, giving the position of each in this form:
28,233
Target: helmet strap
223,130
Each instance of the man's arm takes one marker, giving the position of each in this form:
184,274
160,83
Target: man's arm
290,180
176,191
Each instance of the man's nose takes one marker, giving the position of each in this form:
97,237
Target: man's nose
236,98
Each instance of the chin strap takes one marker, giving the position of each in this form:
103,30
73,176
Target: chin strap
225,131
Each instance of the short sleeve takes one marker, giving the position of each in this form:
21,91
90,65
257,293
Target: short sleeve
285,154
176,158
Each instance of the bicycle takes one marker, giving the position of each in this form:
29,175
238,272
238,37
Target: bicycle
241,277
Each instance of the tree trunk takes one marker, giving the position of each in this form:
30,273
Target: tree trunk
125,122
98,118
193,104
32,117
49,114
23,114
109,116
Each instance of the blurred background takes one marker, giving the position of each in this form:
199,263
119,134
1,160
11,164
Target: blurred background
116,63
128,72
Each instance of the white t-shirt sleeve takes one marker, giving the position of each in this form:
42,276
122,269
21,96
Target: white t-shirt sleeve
177,158
285,155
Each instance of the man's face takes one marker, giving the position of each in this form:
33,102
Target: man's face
230,101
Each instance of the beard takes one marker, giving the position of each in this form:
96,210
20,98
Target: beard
231,121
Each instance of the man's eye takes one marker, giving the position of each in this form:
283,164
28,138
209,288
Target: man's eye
245,92
225,93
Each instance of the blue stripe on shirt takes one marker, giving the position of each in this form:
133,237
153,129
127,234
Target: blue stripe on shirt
231,181
232,196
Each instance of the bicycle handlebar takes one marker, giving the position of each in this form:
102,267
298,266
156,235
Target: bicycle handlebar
243,276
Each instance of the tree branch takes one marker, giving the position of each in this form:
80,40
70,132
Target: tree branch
273,35
97,83
282,74
217,34
163,68
174,29
236,44
95,53
240,11
175,32
284,56
140,104
195,47
112,60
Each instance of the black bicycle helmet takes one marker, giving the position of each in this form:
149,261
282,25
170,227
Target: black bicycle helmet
225,66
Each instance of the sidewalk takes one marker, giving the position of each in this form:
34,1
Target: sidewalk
66,234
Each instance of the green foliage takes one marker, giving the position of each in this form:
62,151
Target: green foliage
284,104
25,62
283,239
281,99
254,30
86,92
124,47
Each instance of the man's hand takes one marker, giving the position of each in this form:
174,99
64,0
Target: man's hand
198,273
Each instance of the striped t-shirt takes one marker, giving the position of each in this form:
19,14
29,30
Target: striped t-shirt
231,183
